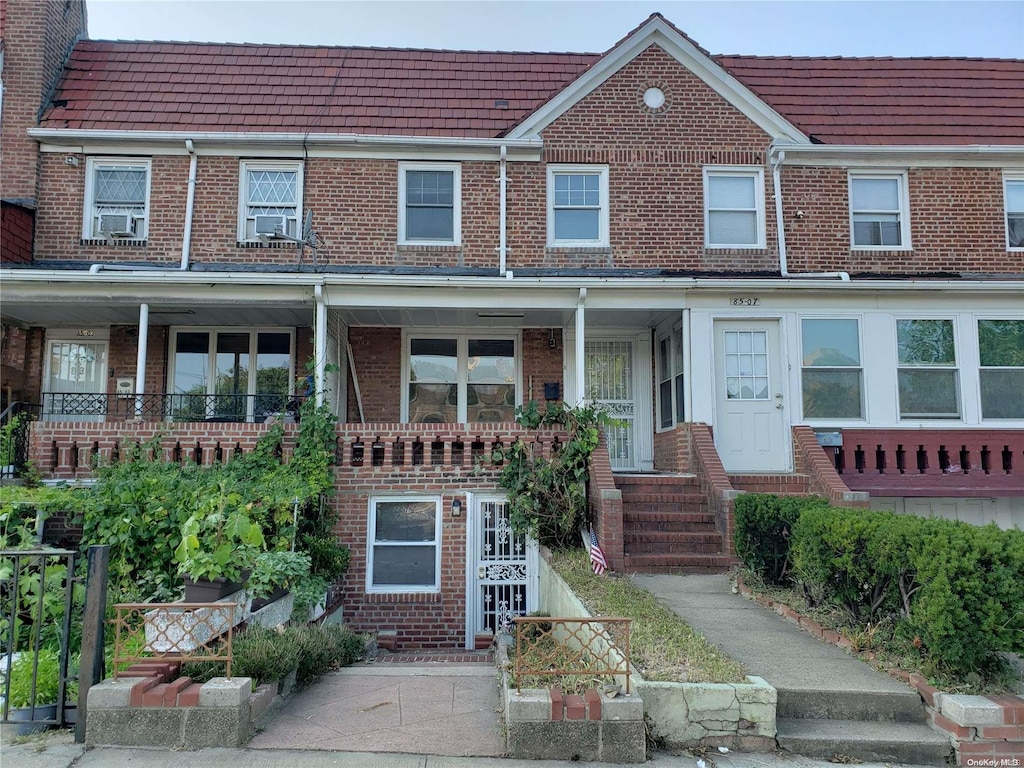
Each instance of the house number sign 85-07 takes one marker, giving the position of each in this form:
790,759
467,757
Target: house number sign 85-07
745,301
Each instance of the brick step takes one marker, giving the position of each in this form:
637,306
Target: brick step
641,548
682,539
645,517
670,527
687,480
663,498
780,484
656,508
666,563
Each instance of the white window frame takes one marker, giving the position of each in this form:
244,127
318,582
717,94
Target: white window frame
1010,178
977,319
740,171
601,171
956,367
456,170
92,164
462,337
673,335
903,194
243,198
371,542
864,399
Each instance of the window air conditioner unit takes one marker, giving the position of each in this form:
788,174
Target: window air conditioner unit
117,224
270,225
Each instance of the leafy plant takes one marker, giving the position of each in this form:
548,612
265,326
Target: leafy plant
308,592
323,648
220,540
547,496
276,569
764,527
46,665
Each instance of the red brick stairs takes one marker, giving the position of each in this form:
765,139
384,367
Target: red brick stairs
667,528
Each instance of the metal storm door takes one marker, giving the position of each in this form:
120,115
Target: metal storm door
750,426
609,381
504,581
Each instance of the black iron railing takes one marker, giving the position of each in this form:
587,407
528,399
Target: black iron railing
81,406
14,423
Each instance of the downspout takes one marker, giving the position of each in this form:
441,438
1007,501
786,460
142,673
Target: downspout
319,343
775,157
502,225
186,241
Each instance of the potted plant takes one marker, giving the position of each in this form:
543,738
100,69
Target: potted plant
47,676
218,547
274,573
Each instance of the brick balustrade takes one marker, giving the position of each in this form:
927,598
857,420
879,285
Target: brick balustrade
605,501
714,481
812,461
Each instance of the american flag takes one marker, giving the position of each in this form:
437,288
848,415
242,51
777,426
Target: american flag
596,554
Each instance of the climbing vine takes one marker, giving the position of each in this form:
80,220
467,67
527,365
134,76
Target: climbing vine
548,496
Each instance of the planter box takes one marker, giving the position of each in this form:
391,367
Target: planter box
207,591
24,717
274,614
182,630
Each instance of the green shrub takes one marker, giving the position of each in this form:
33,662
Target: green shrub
263,654
47,679
764,525
323,648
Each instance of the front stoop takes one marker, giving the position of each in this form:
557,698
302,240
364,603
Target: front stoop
667,528
880,741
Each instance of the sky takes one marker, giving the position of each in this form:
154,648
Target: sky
757,27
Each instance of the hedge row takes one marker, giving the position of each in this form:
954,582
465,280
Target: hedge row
957,590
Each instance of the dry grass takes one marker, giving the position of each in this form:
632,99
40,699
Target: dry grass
662,645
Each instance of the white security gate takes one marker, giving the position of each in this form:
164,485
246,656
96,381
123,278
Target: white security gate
609,381
503,568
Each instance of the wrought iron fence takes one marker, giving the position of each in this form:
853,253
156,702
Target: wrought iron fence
14,429
571,647
82,406
179,631
37,599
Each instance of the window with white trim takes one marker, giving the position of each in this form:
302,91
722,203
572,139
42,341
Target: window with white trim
460,378
671,406
578,205
927,375
404,552
269,199
1013,199
832,375
734,207
116,198
429,203
1001,354
879,211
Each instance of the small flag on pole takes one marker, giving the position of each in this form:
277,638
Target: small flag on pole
597,559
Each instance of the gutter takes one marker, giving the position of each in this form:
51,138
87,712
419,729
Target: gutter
776,157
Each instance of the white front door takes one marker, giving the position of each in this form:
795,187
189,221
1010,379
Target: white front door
503,577
76,380
750,425
610,365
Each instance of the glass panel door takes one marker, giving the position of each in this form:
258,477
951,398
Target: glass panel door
76,381
433,381
491,394
232,377
273,373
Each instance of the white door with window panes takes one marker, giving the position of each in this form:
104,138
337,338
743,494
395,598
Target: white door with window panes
503,575
76,380
610,381
750,424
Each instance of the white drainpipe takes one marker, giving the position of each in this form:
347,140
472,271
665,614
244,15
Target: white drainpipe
776,156
502,226
319,343
140,360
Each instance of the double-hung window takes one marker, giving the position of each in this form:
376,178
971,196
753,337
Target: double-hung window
270,199
1001,348
1013,197
927,373
832,376
578,205
429,204
734,207
879,211
671,406
116,198
461,378
404,544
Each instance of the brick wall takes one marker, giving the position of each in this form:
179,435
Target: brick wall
16,225
672,449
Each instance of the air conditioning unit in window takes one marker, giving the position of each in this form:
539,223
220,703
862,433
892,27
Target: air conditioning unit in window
117,225
270,225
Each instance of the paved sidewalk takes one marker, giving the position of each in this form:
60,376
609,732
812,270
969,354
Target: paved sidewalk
768,645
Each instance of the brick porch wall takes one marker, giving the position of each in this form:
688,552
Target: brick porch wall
714,482
823,480
672,449
605,501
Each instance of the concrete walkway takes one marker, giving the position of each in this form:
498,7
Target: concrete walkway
441,709
764,642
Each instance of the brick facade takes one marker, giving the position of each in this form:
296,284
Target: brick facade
16,225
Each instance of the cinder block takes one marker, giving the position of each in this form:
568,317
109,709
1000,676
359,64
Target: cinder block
111,694
220,727
971,710
135,727
623,708
225,692
261,700
623,742
529,705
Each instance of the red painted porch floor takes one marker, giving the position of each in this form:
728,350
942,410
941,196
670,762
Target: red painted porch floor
419,703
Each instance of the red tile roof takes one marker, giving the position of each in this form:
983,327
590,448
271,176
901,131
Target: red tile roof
267,88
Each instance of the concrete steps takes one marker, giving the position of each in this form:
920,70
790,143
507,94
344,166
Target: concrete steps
911,743
877,706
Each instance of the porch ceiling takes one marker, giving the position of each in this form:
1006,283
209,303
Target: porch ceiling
63,314
503,317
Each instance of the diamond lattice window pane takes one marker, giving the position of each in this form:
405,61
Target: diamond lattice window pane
273,188
121,186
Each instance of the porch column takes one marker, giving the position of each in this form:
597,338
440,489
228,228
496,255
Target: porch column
581,368
319,344
140,360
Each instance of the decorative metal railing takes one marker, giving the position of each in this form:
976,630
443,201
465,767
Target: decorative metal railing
178,631
592,648
81,406
14,437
